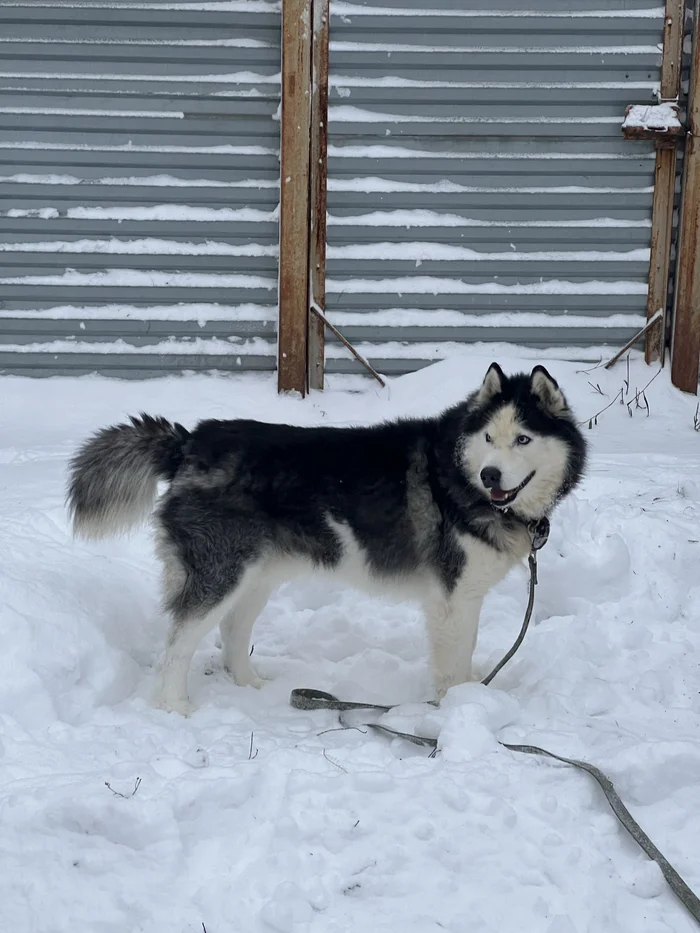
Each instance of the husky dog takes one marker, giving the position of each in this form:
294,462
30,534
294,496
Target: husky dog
434,509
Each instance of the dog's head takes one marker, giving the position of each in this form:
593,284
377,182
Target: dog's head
521,448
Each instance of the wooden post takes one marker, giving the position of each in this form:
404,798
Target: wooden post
292,341
664,186
685,348
318,188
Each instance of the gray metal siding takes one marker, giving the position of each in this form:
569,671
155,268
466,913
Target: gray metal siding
139,186
479,187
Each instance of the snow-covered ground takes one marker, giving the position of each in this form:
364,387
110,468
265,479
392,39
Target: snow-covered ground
253,817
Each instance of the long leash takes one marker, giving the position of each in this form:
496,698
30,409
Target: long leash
309,699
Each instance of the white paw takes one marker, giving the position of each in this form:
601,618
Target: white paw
170,705
250,680
244,678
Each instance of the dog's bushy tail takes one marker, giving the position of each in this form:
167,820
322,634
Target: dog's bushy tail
114,476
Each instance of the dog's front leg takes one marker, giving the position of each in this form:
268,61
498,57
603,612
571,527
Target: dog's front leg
452,629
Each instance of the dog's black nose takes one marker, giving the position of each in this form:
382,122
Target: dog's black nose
491,477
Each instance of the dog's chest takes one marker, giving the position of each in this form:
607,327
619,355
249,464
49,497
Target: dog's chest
485,565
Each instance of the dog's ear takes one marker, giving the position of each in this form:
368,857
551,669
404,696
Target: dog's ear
492,385
546,390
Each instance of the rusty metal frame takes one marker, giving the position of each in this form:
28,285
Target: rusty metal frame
295,119
664,185
318,184
685,346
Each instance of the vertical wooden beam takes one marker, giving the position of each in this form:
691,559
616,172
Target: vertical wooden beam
685,348
664,186
318,188
292,341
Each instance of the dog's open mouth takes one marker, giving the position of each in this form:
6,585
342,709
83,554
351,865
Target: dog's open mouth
504,497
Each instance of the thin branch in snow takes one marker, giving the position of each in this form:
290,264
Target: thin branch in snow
334,762
594,418
252,756
587,372
696,418
137,784
640,400
343,729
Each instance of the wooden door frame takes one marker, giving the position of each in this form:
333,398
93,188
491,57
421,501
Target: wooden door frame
303,182
685,342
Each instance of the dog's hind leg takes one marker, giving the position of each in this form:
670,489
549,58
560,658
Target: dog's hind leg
236,628
452,630
186,633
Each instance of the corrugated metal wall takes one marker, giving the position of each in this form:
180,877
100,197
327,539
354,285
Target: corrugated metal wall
139,185
479,187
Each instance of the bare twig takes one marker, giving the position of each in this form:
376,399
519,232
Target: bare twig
334,762
696,418
656,374
343,729
251,756
654,319
137,784
358,356
596,388
594,418
639,396
587,372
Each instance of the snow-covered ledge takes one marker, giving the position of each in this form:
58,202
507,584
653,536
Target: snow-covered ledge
644,121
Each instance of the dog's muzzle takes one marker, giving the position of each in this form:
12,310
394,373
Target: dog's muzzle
502,498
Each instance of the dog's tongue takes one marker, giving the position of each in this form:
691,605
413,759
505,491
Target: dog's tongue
499,496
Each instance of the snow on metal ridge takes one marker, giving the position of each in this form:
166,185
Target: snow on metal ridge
85,112
200,313
379,151
150,246
336,81
343,9
423,218
156,181
224,149
177,213
238,42
418,251
252,93
432,285
210,346
393,350
349,114
338,45
137,278
234,77
227,6
371,183
414,317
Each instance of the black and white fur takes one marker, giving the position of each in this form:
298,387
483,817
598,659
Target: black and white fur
430,509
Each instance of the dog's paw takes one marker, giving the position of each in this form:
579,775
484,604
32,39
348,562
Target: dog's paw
183,707
245,678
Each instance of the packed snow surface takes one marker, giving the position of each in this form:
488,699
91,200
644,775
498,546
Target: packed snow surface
252,817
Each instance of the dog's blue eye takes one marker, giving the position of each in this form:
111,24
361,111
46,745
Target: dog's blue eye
523,439
488,438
